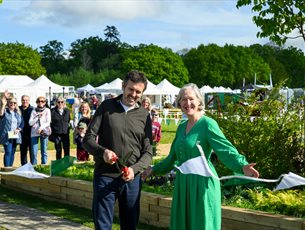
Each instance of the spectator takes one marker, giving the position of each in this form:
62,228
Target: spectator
11,123
60,127
26,110
83,115
146,103
156,130
94,102
81,153
40,120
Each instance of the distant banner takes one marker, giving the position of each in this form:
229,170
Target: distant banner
199,166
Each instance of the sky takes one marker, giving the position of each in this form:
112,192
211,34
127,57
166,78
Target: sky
167,23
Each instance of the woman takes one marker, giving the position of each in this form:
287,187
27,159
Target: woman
197,200
83,115
146,103
40,120
11,123
60,127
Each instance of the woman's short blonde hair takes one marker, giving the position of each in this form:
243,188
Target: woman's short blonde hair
196,90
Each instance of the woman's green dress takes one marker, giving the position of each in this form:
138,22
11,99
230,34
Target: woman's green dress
197,200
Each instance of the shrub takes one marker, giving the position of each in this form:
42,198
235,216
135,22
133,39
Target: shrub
274,139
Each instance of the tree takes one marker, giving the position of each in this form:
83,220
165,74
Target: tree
157,63
112,34
53,57
18,59
278,19
224,66
87,53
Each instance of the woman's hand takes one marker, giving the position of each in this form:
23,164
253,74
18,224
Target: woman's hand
5,97
147,172
250,171
16,131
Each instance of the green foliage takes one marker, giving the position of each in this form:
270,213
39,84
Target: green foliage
157,63
274,139
53,57
278,19
226,66
18,59
286,64
287,202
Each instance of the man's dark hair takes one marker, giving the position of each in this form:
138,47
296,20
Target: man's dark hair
136,77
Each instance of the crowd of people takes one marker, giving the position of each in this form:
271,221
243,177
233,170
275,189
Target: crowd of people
33,126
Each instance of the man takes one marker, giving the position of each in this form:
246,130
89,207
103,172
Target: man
26,110
60,121
123,128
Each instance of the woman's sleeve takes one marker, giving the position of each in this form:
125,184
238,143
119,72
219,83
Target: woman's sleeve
33,118
225,151
47,120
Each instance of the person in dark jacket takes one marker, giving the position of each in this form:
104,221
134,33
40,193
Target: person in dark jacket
123,129
26,110
11,123
60,121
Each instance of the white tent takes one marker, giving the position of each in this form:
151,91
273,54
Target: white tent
87,88
222,89
101,87
10,82
163,88
167,88
151,89
206,89
112,87
45,84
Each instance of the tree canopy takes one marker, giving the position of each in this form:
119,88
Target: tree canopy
224,66
278,19
157,63
19,59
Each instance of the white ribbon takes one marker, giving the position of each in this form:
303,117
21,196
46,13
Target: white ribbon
199,166
27,171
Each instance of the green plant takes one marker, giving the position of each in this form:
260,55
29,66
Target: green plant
267,132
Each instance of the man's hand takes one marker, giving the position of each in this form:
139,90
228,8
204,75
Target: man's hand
128,175
109,157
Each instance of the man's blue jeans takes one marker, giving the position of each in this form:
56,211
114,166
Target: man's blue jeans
9,153
105,192
43,149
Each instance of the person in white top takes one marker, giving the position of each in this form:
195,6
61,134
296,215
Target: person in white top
40,121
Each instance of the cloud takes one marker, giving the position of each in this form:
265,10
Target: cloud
77,13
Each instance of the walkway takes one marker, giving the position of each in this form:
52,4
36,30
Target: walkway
15,217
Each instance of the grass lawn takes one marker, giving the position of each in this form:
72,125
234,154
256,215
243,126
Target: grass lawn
76,214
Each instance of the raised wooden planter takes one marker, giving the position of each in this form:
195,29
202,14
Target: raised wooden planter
155,209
